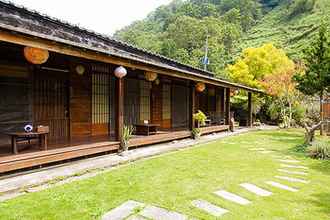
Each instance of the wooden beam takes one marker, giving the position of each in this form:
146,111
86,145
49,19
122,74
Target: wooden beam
86,53
249,121
227,106
120,108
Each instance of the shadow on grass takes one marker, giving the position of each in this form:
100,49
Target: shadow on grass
284,136
322,200
322,166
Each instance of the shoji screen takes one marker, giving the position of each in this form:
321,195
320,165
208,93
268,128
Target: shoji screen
100,103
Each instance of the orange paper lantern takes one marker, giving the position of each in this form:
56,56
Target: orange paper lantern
36,55
150,76
200,87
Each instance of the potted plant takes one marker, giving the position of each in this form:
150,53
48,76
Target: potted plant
127,132
196,133
200,118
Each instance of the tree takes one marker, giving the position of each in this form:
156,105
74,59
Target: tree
256,63
282,87
316,79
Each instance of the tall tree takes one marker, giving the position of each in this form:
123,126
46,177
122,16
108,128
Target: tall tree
256,63
316,79
281,87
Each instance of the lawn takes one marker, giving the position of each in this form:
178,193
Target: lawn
173,180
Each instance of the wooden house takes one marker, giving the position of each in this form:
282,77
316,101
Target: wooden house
60,76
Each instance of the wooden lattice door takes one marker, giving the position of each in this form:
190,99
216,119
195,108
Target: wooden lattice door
50,104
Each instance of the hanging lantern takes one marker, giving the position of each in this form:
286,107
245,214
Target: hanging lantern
157,81
36,55
200,87
150,76
120,72
80,69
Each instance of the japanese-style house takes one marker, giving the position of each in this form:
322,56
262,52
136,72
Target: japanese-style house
62,77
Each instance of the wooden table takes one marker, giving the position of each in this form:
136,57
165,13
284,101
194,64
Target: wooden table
146,129
17,136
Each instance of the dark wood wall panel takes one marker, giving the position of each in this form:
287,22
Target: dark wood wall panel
50,103
180,106
80,105
131,101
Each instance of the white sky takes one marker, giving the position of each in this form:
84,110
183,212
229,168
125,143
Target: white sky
103,16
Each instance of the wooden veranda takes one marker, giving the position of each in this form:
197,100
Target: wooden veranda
75,93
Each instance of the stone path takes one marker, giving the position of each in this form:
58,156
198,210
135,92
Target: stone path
209,208
281,186
132,210
257,149
293,172
289,161
293,166
123,211
232,197
291,179
255,189
156,213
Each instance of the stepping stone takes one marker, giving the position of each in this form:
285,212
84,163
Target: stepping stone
266,151
123,211
293,166
257,149
289,161
255,189
209,208
232,197
293,172
291,179
156,213
136,217
281,186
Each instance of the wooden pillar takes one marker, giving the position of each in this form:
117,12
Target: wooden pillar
193,105
120,107
227,106
249,121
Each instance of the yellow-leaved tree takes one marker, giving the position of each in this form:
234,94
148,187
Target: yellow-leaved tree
256,63
270,69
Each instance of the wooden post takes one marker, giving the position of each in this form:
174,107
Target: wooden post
120,107
249,121
227,107
193,106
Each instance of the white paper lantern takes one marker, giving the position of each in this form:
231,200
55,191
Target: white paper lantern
120,72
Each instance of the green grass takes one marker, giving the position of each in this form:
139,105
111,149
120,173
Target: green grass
173,180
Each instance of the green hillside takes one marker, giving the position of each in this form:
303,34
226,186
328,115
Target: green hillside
291,33
180,30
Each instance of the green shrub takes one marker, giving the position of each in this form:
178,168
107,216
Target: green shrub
200,117
320,150
196,133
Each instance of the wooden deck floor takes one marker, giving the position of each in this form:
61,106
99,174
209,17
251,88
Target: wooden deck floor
37,158
213,129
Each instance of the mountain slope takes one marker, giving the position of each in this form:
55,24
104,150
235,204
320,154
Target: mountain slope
292,34
180,30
